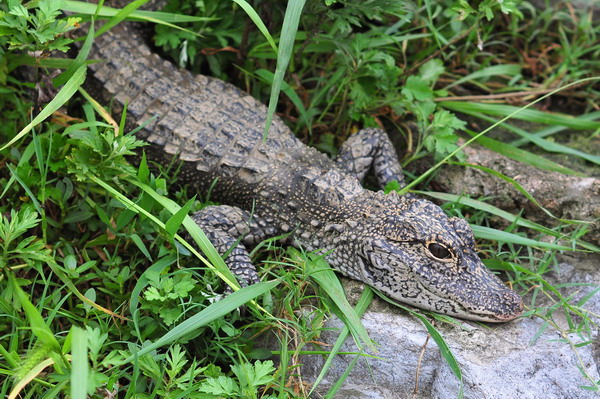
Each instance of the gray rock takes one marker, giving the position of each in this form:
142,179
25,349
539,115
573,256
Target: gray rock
521,359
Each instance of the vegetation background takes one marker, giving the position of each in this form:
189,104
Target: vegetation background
100,295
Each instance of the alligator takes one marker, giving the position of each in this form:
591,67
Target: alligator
404,246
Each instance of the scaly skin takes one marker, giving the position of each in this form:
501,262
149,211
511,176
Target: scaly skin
404,246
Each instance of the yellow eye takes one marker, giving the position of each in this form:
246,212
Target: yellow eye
439,251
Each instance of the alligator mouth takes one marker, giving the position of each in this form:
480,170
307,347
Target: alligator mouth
491,317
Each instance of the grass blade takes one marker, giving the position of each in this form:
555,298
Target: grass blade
120,15
27,378
209,314
520,155
268,77
286,45
79,60
175,221
80,7
258,22
519,188
503,236
549,131
429,171
36,321
494,70
437,337
79,363
328,281
216,262
363,303
62,97
69,284
530,115
542,143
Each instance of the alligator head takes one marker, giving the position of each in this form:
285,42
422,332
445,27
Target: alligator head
411,251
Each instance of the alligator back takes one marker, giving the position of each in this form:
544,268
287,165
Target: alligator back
212,125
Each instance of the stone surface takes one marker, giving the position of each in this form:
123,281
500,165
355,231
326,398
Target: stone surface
518,359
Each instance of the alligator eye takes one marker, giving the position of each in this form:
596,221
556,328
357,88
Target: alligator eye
439,251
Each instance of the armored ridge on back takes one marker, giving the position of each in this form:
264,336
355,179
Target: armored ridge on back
405,247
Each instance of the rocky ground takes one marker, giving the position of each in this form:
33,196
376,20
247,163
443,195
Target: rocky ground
522,359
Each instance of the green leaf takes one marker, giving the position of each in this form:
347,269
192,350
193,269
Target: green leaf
520,155
36,321
184,285
503,236
221,386
494,70
437,337
143,170
175,221
417,88
258,22
209,314
79,363
530,115
142,282
140,244
286,45
325,276
61,98
152,294
431,70
81,7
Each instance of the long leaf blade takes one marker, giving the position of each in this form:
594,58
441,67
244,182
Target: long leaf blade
328,281
36,321
258,22
286,45
531,115
79,364
61,98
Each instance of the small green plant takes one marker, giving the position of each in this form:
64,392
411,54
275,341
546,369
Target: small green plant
38,32
164,294
35,32
248,378
16,249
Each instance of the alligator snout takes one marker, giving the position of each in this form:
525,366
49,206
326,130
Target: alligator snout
513,304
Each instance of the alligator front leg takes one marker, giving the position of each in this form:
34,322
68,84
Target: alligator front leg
371,148
230,229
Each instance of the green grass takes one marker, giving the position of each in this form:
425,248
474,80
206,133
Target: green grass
101,292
